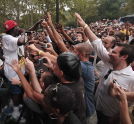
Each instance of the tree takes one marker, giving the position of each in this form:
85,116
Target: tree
109,8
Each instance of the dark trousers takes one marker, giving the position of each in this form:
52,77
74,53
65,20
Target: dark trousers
103,119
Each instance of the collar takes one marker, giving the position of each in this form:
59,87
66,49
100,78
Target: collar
126,71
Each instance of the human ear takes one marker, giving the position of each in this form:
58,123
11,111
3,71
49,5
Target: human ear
124,57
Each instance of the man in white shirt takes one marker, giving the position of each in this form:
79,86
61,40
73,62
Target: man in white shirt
131,37
11,42
118,60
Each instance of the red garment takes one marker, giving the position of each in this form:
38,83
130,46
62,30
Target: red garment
9,24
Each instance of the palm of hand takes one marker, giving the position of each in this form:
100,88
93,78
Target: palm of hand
15,65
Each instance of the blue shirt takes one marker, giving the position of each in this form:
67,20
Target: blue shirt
89,84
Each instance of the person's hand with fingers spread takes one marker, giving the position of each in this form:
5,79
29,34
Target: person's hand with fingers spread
15,66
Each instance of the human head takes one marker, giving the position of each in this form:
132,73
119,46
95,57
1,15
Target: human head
47,78
79,36
109,42
9,24
69,64
83,50
127,50
122,52
60,98
11,27
120,37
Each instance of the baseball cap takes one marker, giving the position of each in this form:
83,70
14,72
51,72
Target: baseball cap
9,24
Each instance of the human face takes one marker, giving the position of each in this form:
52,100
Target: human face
107,43
115,57
17,31
79,37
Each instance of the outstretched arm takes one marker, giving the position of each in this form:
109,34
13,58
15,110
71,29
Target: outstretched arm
96,42
42,53
61,29
120,94
25,84
58,38
34,27
91,36
34,81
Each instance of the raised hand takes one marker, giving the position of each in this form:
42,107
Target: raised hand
48,63
49,18
59,26
33,47
29,65
80,21
118,92
16,67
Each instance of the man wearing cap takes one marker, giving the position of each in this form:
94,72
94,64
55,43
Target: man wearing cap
11,42
12,48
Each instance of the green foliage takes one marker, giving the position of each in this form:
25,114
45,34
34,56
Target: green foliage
129,8
27,12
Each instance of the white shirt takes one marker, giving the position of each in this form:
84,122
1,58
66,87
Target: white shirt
130,38
10,51
108,105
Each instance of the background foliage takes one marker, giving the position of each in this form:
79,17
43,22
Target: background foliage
27,12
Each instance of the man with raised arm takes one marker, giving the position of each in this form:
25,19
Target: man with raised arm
117,67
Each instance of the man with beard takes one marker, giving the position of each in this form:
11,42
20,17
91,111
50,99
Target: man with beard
117,67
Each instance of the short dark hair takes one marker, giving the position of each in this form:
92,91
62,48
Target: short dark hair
10,31
132,42
50,78
69,64
120,35
60,97
127,50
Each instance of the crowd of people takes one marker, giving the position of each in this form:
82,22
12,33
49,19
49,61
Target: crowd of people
57,75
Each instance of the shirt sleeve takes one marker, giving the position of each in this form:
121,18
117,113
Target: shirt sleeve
10,43
101,50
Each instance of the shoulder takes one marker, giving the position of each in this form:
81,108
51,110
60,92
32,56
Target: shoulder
10,37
